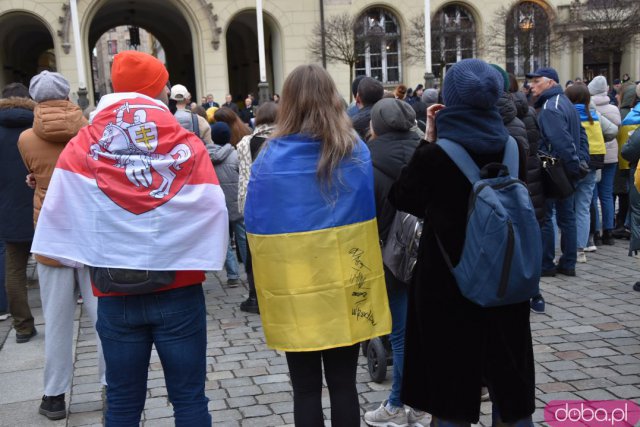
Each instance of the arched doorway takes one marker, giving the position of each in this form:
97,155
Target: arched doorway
379,46
26,48
453,31
528,32
242,55
164,20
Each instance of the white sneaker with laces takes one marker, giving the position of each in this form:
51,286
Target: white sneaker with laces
581,257
5,316
384,417
417,418
591,248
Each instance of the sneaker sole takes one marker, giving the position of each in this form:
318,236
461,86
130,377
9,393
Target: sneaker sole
58,415
385,424
537,312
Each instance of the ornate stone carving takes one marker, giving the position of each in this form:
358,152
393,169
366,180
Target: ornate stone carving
575,9
65,28
213,24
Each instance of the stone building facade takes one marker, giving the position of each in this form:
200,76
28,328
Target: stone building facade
211,46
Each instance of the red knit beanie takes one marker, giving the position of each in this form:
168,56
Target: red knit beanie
134,71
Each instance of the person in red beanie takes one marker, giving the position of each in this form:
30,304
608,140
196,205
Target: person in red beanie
143,179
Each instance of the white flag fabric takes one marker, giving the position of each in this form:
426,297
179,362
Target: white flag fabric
134,190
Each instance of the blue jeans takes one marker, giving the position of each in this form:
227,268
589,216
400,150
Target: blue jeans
4,307
582,200
604,192
566,219
175,321
231,263
241,238
397,293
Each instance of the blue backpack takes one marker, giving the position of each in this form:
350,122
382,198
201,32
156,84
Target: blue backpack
501,257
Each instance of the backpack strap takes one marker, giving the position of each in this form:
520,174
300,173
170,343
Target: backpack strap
194,124
461,158
469,168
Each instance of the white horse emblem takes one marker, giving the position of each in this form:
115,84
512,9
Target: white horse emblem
132,146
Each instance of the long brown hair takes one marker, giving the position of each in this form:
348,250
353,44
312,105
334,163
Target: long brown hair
578,93
311,105
238,128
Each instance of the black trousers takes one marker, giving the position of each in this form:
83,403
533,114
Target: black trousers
340,365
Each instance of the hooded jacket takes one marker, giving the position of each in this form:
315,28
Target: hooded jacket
627,99
225,162
527,115
16,198
248,149
597,132
610,112
55,123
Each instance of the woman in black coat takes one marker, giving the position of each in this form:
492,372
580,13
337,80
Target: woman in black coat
453,346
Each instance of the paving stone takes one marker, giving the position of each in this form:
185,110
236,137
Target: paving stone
568,375
271,420
86,397
161,412
556,387
625,391
561,365
255,411
249,390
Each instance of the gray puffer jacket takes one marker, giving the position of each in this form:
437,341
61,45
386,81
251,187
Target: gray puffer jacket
225,162
611,112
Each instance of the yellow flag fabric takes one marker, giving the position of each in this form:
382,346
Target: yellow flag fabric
595,137
624,132
338,298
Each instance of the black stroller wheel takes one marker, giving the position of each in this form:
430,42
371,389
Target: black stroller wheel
377,360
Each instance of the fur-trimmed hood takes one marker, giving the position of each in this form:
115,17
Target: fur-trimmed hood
16,112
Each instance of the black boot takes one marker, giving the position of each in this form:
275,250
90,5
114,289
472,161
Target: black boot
53,407
621,233
250,305
607,238
597,239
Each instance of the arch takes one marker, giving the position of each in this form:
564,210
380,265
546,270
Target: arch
527,36
454,33
379,44
26,46
242,59
184,50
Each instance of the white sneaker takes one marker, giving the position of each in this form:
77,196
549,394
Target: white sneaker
581,257
383,417
4,316
417,418
591,248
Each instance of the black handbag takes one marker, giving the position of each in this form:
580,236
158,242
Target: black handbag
555,181
130,282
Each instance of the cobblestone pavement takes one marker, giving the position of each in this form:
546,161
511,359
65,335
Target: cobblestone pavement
587,346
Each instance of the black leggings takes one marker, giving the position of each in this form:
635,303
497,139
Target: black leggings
340,365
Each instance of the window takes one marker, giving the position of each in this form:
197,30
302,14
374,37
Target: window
453,35
112,47
527,37
378,46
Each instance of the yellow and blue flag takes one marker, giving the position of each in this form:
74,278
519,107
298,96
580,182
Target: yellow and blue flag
315,251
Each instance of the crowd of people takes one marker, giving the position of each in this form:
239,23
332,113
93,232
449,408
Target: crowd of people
135,199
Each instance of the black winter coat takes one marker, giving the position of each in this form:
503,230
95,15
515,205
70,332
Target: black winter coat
389,154
453,346
516,129
362,122
16,199
527,115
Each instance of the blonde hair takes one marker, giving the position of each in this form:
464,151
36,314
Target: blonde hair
311,105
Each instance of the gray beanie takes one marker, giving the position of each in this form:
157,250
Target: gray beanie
598,85
388,115
430,96
48,86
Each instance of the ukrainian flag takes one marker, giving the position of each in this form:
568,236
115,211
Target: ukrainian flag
316,252
628,126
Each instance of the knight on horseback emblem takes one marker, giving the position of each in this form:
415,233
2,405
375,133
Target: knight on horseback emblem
133,147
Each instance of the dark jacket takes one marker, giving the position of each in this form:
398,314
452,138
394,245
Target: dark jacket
453,346
516,129
361,122
534,167
562,134
246,114
16,198
631,153
232,105
389,154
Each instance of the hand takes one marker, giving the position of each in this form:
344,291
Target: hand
31,181
431,133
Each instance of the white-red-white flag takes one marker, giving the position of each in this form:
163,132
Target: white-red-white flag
134,190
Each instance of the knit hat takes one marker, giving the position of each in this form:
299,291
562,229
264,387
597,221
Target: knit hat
505,76
598,85
388,115
179,93
134,71
430,96
472,82
220,133
48,86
